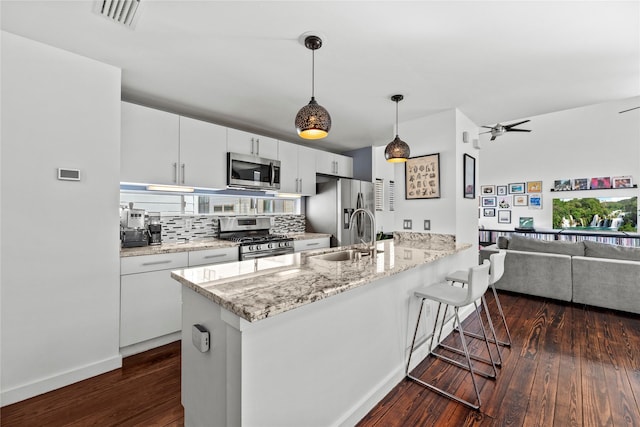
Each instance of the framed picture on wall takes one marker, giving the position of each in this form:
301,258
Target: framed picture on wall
520,200
505,202
535,201
517,188
562,185
534,187
504,217
580,184
489,212
501,190
489,202
601,182
469,167
487,190
622,182
422,175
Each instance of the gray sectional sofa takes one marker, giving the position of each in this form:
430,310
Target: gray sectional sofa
584,272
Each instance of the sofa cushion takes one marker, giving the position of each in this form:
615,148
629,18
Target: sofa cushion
503,242
603,250
519,243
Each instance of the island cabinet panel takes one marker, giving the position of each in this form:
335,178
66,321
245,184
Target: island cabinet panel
308,244
327,361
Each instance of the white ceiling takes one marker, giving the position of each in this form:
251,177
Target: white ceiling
240,63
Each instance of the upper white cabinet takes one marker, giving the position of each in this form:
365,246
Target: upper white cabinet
251,144
203,154
298,169
334,164
149,148
163,148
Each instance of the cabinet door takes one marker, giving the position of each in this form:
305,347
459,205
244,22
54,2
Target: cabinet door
344,166
149,145
213,256
203,154
306,171
288,156
325,163
150,306
251,144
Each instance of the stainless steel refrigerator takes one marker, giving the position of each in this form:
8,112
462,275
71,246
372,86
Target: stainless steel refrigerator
330,209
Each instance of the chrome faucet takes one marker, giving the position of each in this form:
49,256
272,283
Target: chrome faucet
372,242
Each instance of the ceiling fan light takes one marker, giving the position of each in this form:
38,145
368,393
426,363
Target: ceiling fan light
397,151
313,121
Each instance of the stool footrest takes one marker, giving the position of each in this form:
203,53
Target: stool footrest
472,356
463,366
478,336
444,393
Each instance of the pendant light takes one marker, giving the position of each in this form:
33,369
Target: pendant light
313,121
397,150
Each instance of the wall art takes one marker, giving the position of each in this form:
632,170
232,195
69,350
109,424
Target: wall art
534,187
504,217
489,202
600,182
422,176
520,200
505,202
580,184
562,185
517,188
487,190
469,167
622,182
501,190
535,201
489,212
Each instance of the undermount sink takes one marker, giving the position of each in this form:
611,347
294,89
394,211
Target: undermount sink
346,255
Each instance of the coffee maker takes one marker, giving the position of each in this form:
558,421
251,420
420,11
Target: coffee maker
155,229
133,232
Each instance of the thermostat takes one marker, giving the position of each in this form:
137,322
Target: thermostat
66,174
200,338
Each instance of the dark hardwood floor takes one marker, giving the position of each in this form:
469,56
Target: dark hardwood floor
569,366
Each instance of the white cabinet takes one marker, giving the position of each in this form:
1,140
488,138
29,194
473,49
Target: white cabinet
213,256
150,300
298,169
149,148
163,148
334,164
308,244
203,154
251,144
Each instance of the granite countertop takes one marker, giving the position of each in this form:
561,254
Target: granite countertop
262,288
201,244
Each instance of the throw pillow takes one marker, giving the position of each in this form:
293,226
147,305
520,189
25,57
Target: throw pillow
603,250
519,243
503,242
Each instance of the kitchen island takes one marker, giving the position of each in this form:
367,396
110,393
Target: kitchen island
300,340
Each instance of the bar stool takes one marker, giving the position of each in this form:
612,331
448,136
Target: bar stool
457,297
495,273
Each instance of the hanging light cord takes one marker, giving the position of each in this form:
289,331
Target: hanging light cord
313,72
397,130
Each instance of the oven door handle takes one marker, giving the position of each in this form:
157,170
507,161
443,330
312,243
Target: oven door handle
272,173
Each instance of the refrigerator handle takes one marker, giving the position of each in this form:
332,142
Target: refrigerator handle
359,221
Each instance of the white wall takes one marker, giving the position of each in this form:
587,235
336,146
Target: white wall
583,142
60,260
466,209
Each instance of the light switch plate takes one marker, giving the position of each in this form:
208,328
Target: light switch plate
407,224
427,224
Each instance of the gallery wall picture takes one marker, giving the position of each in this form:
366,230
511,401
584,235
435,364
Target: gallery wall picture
469,167
580,184
520,200
489,202
504,217
505,202
534,187
489,212
600,182
422,176
517,188
535,201
622,182
562,185
487,190
501,190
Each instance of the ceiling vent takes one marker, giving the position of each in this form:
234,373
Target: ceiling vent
124,12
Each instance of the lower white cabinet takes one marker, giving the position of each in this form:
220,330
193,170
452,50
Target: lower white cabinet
305,245
150,300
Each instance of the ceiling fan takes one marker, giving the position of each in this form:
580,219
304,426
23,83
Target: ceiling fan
499,129
624,111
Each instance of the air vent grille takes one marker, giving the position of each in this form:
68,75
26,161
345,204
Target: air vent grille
379,193
392,197
123,12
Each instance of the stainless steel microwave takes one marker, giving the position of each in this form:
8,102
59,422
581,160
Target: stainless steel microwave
252,172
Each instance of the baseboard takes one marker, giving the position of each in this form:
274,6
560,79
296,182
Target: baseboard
132,349
26,391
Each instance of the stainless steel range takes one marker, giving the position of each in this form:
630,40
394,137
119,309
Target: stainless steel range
252,233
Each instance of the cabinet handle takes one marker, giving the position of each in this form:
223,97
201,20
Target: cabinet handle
183,173
214,256
175,173
156,262
313,244
337,167
300,190
297,184
257,146
252,146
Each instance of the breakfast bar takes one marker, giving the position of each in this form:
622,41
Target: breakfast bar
312,338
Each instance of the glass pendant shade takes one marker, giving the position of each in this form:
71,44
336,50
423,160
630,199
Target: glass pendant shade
313,121
397,151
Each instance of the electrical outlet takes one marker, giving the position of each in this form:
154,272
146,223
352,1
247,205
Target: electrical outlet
427,224
407,224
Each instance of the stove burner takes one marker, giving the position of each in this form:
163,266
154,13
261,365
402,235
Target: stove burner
244,239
